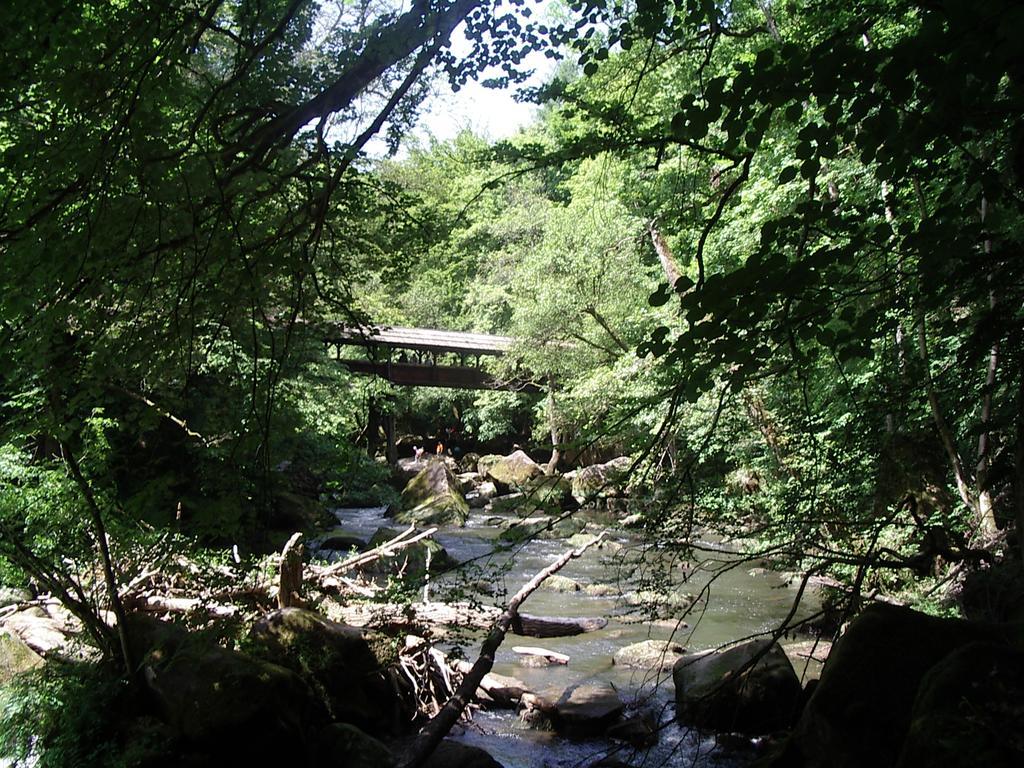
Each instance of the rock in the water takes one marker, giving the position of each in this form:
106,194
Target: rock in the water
468,481
410,561
225,702
586,710
15,656
340,540
341,745
641,732
406,469
968,711
433,498
296,512
338,662
468,463
601,480
727,691
513,471
860,712
649,654
548,493
559,583
485,462
452,754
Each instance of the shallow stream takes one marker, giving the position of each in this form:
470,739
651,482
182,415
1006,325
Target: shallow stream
741,601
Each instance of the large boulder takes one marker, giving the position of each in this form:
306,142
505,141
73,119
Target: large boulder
587,710
513,472
409,561
452,754
968,711
481,495
341,745
433,498
226,703
661,655
601,480
861,709
749,688
336,660
15,656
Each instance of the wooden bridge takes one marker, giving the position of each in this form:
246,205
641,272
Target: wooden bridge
424,357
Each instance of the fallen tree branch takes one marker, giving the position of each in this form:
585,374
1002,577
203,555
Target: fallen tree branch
386,549
439,726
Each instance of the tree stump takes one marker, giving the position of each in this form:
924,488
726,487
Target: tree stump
289,589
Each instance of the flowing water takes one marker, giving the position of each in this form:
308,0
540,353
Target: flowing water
738,602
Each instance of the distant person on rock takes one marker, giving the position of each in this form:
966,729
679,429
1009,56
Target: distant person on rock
440,448
418,452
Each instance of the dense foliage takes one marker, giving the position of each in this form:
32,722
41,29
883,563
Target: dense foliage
769,249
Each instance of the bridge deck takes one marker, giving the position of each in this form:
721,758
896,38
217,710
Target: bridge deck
422,339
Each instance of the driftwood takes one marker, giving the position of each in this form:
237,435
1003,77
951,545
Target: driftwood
289,589
497,690
462,614
554,657
437,728
168,604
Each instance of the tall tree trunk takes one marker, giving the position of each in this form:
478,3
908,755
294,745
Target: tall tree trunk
668,261
556,437
986,512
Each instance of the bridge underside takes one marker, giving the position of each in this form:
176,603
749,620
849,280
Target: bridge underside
428,375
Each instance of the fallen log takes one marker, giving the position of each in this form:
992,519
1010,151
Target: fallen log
419,615
496,690
554,657
167,604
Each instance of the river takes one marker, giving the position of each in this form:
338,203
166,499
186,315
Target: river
740,601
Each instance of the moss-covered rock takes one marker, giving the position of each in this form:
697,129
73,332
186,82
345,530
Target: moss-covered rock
15,656
341,745
433,498
513,472
601,480
968,711
860,712
336,660
649,654
730,691
410,561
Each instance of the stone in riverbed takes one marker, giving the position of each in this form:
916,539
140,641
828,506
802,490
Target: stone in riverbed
649,654
601,480
433,498
728,691
513,471
587,710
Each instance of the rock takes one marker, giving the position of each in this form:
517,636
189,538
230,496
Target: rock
339,540
600,480
550,493
481,495
602,590
15,656
468,463
410,561
586,710
513,471
406,469
714,691
295,512
653,599
995,594
559,583
452,754
527,528
860,711
468,481
221,701
337,661
341,745
484,463
433,498
968,711
579,539
641,732
38,630
12,595
649,654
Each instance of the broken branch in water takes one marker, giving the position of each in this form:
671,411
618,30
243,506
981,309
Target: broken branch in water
436,729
